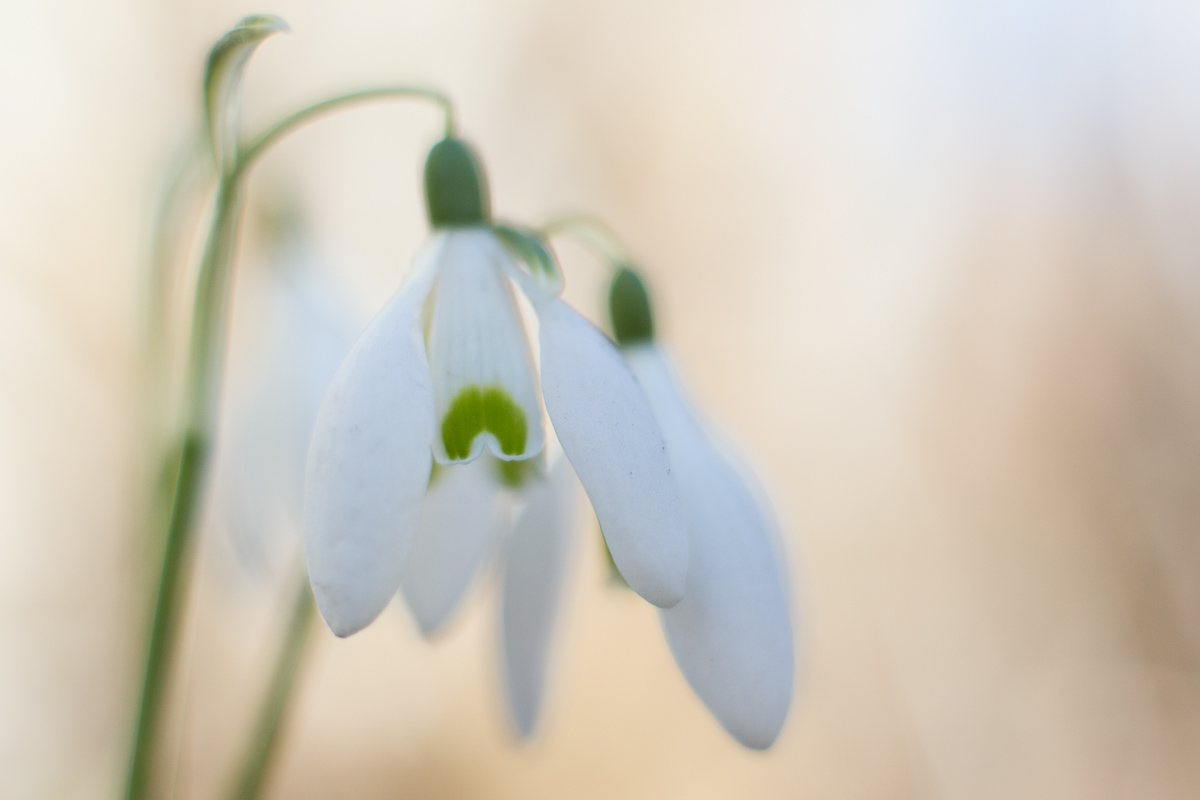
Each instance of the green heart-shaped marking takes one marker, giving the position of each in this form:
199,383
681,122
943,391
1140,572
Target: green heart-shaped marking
476,409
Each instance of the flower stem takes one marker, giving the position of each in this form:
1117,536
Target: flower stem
593,233
209,329
163,632
280,129
209,333
265,738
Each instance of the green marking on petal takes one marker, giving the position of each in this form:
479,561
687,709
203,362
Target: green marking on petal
435,472
477,409
513,474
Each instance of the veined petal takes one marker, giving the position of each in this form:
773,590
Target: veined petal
608,431
731,634
369,461
483,377
458,527
534,566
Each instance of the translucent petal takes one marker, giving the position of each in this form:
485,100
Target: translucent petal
309,333
608,431
485,389
369,461
459,525
534,566
731,634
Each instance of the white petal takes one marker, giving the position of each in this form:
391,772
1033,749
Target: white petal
731,633
459,524
369,461
609,433
535,562
479,356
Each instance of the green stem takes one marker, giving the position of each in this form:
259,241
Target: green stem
209,333
593,233
163,632
256,148
209,330
265,738
169,228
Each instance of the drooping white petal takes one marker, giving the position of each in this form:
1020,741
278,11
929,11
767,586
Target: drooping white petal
534,565
731,634
369,461
608,431
459,525
483,376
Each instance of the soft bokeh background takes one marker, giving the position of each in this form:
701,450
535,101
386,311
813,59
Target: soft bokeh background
934,265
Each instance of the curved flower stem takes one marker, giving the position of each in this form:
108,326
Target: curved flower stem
280,129
209,333
593,233
265,737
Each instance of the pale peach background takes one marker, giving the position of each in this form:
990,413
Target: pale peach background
934,265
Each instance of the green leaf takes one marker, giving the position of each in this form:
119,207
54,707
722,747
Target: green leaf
223,81
532,252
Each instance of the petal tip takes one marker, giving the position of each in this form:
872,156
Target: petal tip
342,620
342,628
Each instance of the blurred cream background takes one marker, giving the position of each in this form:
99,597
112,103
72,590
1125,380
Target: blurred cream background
933,265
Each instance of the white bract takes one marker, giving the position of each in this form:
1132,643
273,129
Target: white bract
446,369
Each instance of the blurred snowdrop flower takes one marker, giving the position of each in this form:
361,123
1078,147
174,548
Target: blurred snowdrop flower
444,371
731,634
309,330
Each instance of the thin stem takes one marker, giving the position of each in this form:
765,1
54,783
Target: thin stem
209,330
163,632
209,334
308,113
265,738
179,192
593,233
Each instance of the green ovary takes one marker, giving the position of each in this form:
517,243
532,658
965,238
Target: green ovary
476,409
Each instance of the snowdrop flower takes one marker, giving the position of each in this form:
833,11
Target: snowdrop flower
444,371
731,634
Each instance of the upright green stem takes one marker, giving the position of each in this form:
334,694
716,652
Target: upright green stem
209,332
209,329
265,737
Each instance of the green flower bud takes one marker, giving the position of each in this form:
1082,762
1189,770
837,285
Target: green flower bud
629,306
456,191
